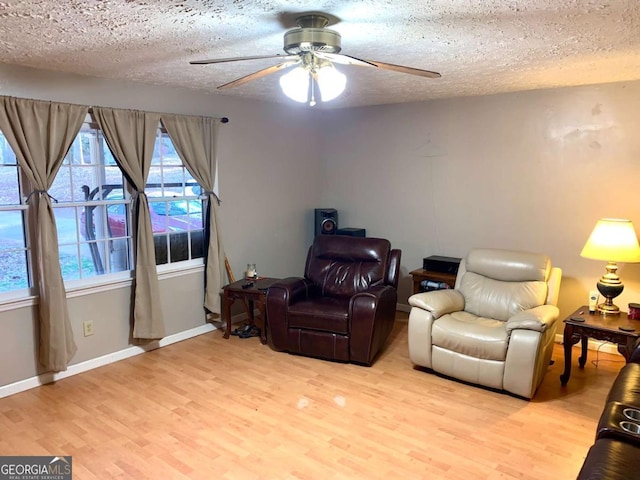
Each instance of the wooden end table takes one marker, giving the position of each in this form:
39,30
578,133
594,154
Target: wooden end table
256,293
599,327
421,274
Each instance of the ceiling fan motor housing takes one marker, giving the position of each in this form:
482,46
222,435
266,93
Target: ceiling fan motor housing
301,40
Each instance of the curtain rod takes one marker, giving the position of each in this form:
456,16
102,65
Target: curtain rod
222,119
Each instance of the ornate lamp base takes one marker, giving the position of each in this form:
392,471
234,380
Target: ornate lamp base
609,291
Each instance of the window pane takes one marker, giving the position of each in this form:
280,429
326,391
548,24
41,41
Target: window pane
113,176
7,157
66,225
84,179
88,231
69,263
13,270
196,215
174,180
120,255
160,244
11,231
9,191
179,246
155,177
105,153
13,253
157,152
197,244
118,219
176,213
87,264
61,187
158,212
193,189
14,267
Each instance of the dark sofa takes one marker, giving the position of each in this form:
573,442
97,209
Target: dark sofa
615,455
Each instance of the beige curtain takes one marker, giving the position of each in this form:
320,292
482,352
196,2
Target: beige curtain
195,141
131,138
41,133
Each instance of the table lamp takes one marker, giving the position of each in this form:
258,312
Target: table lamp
612,240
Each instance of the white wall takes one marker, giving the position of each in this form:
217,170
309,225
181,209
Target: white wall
269,165
532,171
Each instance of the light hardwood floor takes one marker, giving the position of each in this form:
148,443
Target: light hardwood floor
209,408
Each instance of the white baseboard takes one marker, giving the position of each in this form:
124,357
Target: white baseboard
403,307
605,347
81,367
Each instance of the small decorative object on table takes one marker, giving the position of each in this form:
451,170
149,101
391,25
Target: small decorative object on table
426,280
593,301
430,285
251,270
634,311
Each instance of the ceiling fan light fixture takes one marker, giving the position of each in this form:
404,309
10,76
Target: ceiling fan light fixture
330,82
295,84
299,83
314,49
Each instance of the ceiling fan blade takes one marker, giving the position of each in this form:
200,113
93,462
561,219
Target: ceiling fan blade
343,59
401,69
239,59
261,73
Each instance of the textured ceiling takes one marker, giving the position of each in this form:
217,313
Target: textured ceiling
479,46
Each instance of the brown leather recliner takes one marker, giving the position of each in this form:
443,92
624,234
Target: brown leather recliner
344,307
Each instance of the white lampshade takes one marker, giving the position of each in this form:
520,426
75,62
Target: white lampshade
613,240
331,82
295,84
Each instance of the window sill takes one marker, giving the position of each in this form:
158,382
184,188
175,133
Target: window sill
103,283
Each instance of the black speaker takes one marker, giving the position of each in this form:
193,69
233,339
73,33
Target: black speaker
326,221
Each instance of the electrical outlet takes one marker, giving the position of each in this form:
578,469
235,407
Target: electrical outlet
88,328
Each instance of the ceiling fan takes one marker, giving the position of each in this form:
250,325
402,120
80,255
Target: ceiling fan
312,49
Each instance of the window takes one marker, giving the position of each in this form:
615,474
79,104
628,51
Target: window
175,206
94,210
92,207
14,250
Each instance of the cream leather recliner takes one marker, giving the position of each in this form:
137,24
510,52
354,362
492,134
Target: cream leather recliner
496,328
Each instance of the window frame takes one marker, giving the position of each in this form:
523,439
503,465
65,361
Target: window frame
168,195
98,247
101,282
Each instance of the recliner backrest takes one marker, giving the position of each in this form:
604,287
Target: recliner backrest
499,283
341,266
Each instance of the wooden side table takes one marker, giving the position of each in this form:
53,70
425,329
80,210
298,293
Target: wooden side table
421,274
599,327
256,293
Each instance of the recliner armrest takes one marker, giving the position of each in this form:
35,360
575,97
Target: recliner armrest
371,317
377,292
537,319
438,302
296,288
